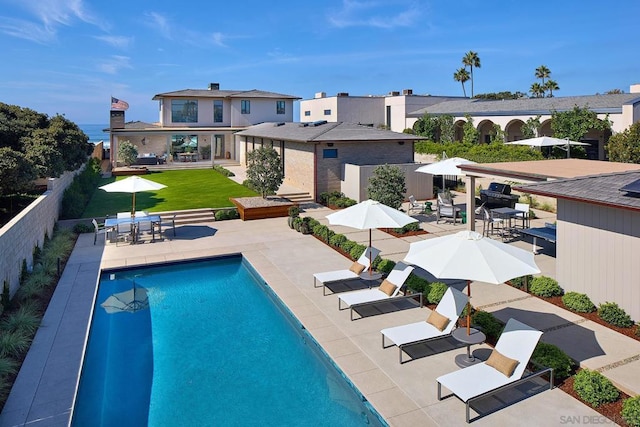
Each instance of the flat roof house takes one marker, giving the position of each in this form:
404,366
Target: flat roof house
198,124
314,154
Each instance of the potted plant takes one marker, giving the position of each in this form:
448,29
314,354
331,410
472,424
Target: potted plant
294,212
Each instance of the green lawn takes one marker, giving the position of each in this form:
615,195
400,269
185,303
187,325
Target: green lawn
186,189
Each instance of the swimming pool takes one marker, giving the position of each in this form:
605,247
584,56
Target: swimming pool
214,346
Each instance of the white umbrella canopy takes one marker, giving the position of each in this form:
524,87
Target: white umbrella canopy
370,214
132,184
547,141
470,256
127,302
445,167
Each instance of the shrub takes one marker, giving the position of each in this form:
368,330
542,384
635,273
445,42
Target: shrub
8,366
578,302
357,250
637,330
14,343
486,321
631,411
320,231
327,196
385,266
347,245
436,292
344,202
413,226
544,286
419,284
611,313
81,227
313,222
337,240
294,211
518,282
225,214
25,319
376,261
551,356
223,171
594,388
6,296
34,284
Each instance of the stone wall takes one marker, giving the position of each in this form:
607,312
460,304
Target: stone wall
22,234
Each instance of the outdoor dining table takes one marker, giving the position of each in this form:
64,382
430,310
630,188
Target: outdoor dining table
154,220
506,213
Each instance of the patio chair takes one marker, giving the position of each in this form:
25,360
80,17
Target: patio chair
492,224
389,290
446,209
99,229
354,272
414,205
436,326
524,215
505,368
169,222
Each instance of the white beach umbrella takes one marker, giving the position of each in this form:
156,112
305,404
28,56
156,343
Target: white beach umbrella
547,141
468,255
445,167
370,214
133,185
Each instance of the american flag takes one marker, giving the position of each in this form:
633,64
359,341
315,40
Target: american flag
118,104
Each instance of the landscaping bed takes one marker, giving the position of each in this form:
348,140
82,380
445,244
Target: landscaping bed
392,232
259,208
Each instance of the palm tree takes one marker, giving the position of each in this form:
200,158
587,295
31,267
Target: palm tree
542,72
536,90
471,59
551,85
462,76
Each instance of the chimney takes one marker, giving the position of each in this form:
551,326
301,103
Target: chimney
407,91
320,95
214,86
635,88
394,93
343,94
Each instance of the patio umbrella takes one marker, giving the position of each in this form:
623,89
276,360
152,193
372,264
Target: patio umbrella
132,184
469,256
130,301
547,141
445,167
370,214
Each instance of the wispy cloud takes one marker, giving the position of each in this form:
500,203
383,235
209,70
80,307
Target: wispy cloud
48,16
115,64
378,14
160,23
121,42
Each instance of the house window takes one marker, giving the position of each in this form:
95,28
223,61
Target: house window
330,153
245,106
307,113
217,111
327,112
279,107
184,111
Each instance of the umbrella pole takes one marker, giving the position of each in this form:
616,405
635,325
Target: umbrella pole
469,308
370,255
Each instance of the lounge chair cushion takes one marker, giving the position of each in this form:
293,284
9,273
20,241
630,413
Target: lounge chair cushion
501,363
387,287
357,268
438,320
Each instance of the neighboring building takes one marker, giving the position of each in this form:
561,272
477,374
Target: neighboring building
380,111
598,236
314,155
398,112
199,124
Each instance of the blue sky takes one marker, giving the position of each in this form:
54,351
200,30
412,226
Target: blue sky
70,56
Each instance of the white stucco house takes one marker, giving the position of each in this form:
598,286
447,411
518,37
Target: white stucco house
198,124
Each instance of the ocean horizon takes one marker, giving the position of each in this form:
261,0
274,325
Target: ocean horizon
95,132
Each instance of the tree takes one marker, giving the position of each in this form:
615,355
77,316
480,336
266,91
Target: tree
387,185
16,172
625,146
542,72
462,76
264,170
613,92
447,128
551,85
127,153
501,95
536,90
497,134
471,59
427,126
531,128
470,134
576,123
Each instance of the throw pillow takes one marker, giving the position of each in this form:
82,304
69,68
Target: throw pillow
502,363
357,268
387,287
438,320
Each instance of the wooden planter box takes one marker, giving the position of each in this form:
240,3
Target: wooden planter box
259,208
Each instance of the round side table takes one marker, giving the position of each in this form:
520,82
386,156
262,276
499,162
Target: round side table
475,337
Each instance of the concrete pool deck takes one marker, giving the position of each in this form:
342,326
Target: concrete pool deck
403,394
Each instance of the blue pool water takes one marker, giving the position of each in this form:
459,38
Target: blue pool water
214,347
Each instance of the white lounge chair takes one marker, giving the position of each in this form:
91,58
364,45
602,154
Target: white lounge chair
516,343
450,306
346,274
397,278
415,205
